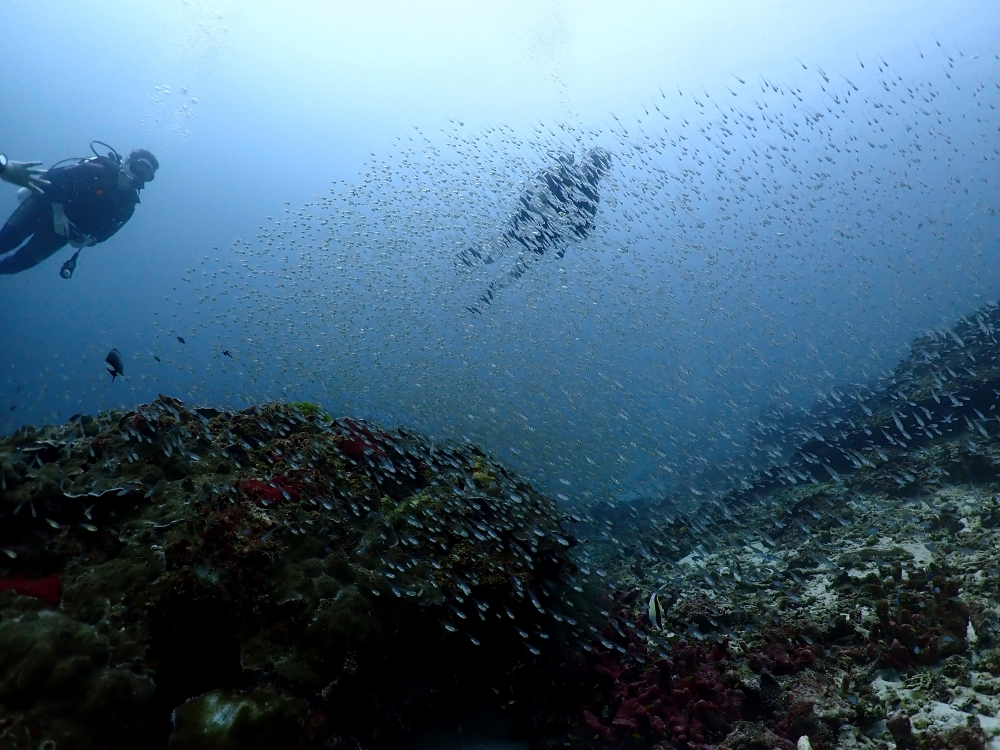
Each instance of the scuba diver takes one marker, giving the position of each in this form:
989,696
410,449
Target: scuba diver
556,210
81,204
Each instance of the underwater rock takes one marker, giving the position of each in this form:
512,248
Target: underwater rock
66,674
193,563
853,588
330,582
47,590
221,720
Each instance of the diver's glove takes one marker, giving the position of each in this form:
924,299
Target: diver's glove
61,224
25,174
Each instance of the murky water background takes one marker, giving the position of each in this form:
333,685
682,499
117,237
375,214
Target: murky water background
792,199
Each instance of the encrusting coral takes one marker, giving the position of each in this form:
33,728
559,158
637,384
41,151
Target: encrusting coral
323,577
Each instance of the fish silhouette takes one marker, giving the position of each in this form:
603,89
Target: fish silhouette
117,368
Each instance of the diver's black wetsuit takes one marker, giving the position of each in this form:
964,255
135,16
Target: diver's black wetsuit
558,209
91,200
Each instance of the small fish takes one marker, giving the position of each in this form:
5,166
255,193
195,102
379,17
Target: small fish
226,353
157,359
181,339
117,368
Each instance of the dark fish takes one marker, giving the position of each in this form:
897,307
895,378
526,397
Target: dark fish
181,339
75,417
117,368
157,359
226,352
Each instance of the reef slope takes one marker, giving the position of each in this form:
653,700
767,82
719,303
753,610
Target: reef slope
190,578
270,578
849,596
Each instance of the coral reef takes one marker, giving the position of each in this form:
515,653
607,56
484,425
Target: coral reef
310,580
849,595
190,578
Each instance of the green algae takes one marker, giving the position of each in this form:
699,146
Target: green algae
306,409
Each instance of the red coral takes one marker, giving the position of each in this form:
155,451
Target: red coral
778,658
627,717
594,724
275,492
798,720
359,441
680,699
48,589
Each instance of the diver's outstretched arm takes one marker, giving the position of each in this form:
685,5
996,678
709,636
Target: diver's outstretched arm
23,173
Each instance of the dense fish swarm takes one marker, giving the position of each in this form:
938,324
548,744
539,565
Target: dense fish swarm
750,246
639,314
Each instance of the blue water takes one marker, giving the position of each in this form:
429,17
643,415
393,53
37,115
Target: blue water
796,193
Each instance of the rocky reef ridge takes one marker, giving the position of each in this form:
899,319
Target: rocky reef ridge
845,598
191,578
187,578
